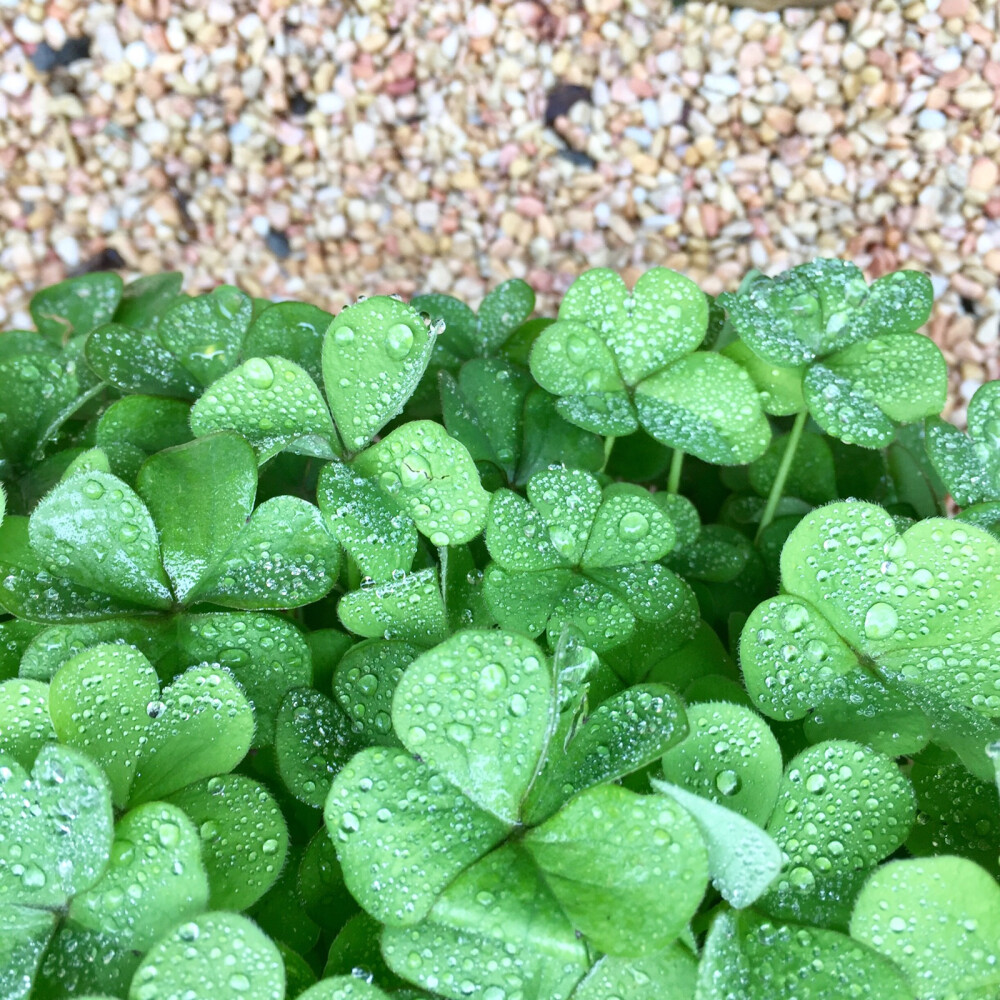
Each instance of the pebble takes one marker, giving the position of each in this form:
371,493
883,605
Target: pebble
403,147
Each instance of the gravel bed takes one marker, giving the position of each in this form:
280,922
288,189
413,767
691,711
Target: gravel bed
323,150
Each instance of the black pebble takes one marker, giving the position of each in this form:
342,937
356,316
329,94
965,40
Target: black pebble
299,104
562,97
277,243
577,158
45,58
109,259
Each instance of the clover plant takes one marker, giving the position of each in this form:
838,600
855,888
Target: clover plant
648,650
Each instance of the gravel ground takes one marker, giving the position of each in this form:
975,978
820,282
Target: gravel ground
321,150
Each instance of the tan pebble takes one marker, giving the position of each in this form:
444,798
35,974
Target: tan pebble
813,121
953,8
966,287
992,260
780,119
974,98
464,180
800,88
984,174
645,164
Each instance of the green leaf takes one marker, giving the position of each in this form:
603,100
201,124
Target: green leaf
503,310
662,319
497,929
202,725
431,478
145,300
859,394
458,338
374,354
900,302
244,838
25,725
94,529
627,529
484,410
970,463
938,919
206,333
742,859
284,557
199,517
670,973
550,440
623,734
956,814
841,809
137,362
272,403
518,537
525,602
36,391
403,833
477,708
24,934
364,683
141,426
31,590
755,959
59,828
219,955
409,608
780,388
729,757
266,654
292,329
156,848
373,532
707,406
343,988
597,855
312,742
75,306
812,476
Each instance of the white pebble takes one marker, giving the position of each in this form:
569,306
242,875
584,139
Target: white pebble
671,106
482,22
27,31
138,55
931,120
602,213
650,113
14,84
68,250
364,139
107,45
330,103
260,225
834,171
948,61
721,83
427,214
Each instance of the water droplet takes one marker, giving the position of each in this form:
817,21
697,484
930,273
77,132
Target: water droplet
239,982
492,680
518,705
633,526
880,621
93,490
414,471
398,341
728,782
155,709
259,373
343,335
815,783
801,878
169,834
795,617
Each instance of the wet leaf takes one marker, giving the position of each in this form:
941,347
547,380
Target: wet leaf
938,919
431,478
58,825
272,403
36,390
343,988
670,973
374,354
409,608
75,306
496,929
369,525
403,833
25,725
729,756
628,870
145,300
221,955
364,683
138,362
24,934
96,531
292,329
154,879
205,334
477,708
243,837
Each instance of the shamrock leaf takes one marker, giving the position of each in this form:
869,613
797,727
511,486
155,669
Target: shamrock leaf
75,306
374,354
841,809
431,478
58,826
477,708
25,726
272,403
137,362
410,608
135,427
201,724
669,973
597,854
145,300
938,919
875,624
373,531
24,935
205,334
37,389
403,833
243,837
970,463
292,329
753,958
343,988
221,955
495,929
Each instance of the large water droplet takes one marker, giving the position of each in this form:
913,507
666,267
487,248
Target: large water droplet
414,471
880,621
398,341
633,526
258,373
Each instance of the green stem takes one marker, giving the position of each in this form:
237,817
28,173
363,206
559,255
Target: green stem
609,443
676,464
778,486
353,574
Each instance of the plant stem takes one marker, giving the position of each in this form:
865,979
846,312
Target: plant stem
609,443
778,486
676,464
